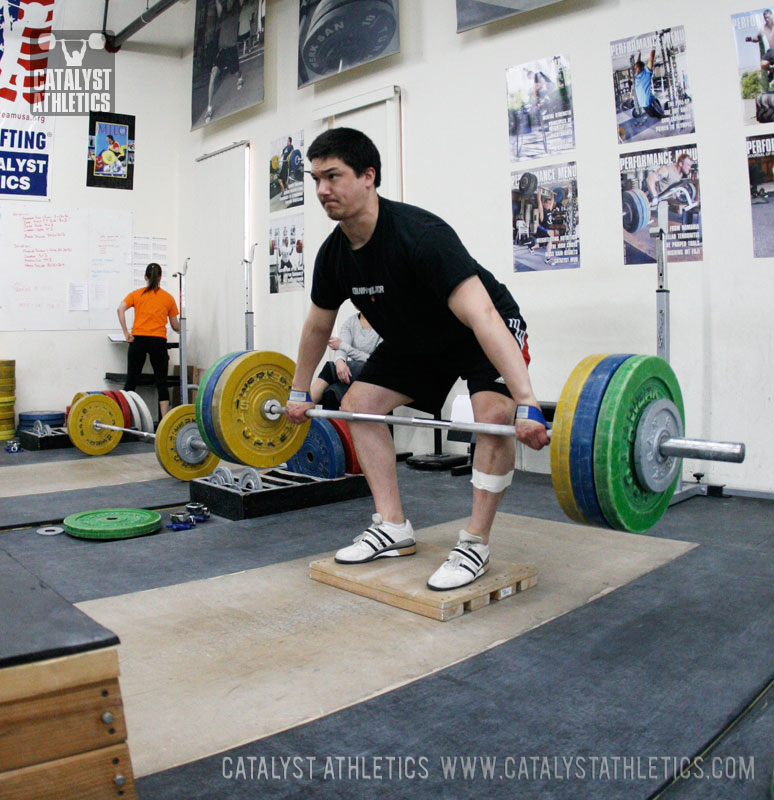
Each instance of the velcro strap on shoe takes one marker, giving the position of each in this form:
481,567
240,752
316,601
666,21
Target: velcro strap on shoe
471,555
379,533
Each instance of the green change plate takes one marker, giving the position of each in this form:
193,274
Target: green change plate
112,523
625,502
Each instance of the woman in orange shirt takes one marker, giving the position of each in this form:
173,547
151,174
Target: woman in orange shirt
152,307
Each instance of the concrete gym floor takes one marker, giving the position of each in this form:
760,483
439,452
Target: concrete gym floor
241,677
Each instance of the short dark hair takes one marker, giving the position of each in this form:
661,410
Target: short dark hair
353,147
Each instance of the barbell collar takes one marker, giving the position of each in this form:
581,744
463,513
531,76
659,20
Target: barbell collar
680,448
195,442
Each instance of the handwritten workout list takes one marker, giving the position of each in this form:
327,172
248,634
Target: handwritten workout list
63,270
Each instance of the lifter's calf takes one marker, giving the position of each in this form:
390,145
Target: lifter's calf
374,445
493,461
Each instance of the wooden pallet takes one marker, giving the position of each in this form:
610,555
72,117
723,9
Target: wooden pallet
402,582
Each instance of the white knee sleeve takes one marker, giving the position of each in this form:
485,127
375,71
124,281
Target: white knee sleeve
491,483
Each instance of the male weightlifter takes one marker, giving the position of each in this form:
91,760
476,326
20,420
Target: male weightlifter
441,316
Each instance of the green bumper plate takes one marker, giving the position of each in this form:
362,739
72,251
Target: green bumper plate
112,523
625,502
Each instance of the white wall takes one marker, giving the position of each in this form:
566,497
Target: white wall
456,164
51,366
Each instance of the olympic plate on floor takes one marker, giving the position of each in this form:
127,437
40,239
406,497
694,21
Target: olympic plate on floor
112,523
123,404
134,412
625,502
243,430
175,450
562,432
204,404
44,416
146,420
84,413
352,465
582,440
321,453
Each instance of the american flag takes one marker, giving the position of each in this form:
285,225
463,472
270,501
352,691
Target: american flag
22,23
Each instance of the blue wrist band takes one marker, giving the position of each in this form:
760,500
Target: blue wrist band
299,397
533,413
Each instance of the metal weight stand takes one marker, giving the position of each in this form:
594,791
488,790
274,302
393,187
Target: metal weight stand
184,385
249,321
661,232
684,491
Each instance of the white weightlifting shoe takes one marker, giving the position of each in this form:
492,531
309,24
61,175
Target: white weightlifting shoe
468,561
379,540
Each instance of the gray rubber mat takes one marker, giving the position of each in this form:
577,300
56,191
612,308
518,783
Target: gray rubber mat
646,673
37,624
24,457
52,507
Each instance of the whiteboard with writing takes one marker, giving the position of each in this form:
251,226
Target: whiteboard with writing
63,269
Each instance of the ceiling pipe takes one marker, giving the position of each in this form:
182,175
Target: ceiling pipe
113,43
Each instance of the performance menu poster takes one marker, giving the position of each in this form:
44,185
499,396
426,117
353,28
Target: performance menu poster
760,164
669,176
540,112
754,39
650,82
544,205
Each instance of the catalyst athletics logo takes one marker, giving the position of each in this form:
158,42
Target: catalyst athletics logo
78,78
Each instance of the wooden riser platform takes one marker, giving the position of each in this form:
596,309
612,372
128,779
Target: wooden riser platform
62,730
402,582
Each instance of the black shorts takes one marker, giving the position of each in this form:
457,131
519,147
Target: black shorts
427,379
228,59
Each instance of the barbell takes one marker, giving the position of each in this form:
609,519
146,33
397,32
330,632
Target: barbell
93,428
617,438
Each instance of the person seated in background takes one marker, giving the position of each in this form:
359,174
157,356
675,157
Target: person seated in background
356,341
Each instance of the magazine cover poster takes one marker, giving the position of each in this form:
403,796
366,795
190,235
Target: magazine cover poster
760,165
286,172
227,58
540,114
544,205
754,39
110,163
286,254
649,179
334,36
474,13
650,81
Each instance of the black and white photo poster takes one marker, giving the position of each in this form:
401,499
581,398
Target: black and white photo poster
474,13
335,36
227,58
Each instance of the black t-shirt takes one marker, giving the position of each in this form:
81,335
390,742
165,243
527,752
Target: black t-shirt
402,277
